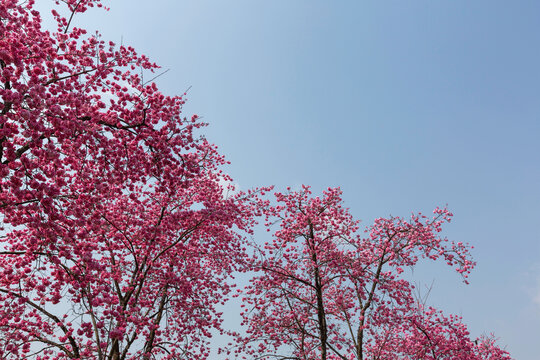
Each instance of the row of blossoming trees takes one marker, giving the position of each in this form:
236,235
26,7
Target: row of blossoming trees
119,241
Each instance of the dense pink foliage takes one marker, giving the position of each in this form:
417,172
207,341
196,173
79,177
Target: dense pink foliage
326,292
117,236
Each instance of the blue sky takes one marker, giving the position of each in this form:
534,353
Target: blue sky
406,105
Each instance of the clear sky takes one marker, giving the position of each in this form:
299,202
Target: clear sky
405,105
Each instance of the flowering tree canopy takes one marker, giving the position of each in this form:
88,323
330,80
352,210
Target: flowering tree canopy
117,236
326,292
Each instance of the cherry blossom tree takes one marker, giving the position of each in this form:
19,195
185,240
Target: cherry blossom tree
118,237
326,292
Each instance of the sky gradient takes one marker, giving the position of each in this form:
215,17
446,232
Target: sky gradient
406,105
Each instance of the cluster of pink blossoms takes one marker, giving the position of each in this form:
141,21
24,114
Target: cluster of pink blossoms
117,239
326,291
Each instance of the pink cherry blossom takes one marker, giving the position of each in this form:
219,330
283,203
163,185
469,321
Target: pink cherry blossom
118,239
327,291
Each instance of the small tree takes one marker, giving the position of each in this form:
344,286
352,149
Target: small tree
325,292
117,238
